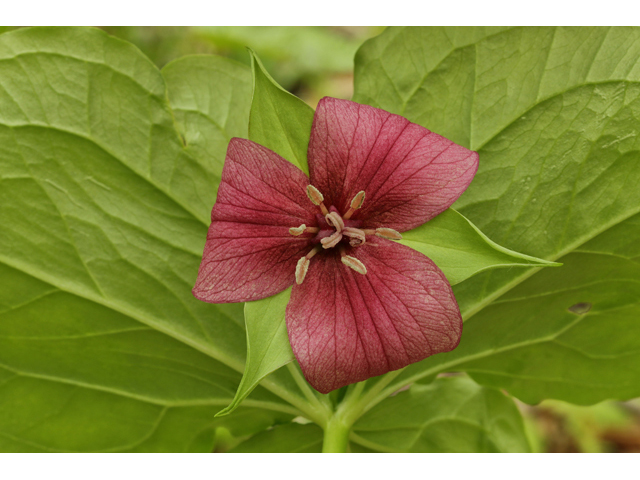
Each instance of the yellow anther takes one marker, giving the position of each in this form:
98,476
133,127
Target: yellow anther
301,269
356,203
314,195
355,264
358,200
388,233
297,231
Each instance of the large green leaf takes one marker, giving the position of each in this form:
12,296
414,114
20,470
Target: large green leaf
78,376
288,438
210,98
449,415
555,116
103,216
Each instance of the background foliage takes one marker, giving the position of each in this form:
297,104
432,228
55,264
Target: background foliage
89,363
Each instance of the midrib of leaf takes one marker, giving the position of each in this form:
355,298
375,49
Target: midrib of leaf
77,290
115,157
151,400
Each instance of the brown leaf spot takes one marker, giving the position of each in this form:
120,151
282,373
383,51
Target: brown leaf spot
580,308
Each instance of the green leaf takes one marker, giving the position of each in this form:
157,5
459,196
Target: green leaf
77,376
210,98
586,349
555,116
461,250
103,217
449,415
268,346
287,438
279,120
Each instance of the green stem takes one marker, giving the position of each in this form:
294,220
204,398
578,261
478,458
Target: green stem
322,407
338,427
336,435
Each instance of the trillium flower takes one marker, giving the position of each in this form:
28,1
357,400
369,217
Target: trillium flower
361,304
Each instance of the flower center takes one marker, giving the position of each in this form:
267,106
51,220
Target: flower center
333,228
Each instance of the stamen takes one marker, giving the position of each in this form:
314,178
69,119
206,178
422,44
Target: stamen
303,265
314,195
355,264
316,198
301,269
357,236
331,241
313,251
335,220
356,203
388,233
297,231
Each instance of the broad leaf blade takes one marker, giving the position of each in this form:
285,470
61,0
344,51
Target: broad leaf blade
103,215
210,98
288,438
554,114
587,349
268,346
461,250
279,120
586,346
449,415
77,376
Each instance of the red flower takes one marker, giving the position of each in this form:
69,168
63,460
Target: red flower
361,305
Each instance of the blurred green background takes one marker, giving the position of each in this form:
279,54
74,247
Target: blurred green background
313,62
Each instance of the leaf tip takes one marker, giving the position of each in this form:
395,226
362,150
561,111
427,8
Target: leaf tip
225,411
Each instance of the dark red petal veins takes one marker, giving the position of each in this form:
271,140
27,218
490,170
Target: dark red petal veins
345,327
409,174
249,253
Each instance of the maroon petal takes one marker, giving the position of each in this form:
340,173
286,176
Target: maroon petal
409,174
345,327
249,253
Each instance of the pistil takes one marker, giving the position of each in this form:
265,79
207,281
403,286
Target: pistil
357,236
332,240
